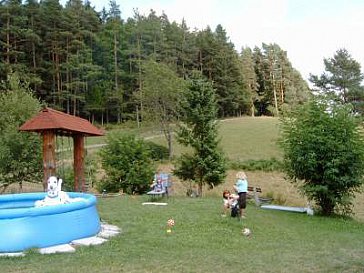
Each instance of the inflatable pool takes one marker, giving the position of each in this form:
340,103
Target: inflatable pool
23,226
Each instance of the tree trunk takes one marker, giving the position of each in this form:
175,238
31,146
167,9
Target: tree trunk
8,40
140,73
200,184
170,148
275,94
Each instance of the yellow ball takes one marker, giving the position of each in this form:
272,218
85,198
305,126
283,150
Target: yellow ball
169,231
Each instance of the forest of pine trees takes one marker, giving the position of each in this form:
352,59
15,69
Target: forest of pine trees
90,63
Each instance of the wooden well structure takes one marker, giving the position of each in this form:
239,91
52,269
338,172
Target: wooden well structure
51,123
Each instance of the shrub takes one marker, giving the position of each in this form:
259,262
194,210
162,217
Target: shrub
20,152
270,165
66,173
324,153
127,163
157,152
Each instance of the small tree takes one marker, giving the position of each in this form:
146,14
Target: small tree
162,89
20,153
127,163
198,129
324,154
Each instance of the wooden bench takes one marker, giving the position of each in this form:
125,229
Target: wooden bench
254,189
253,192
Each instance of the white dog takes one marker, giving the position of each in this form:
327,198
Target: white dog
55,195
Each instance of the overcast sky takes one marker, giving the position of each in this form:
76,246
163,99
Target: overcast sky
309,30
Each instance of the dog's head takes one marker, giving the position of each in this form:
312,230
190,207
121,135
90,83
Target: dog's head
54,185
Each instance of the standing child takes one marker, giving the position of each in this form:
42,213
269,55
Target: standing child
241,187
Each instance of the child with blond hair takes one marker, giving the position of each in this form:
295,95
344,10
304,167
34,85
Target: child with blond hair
241,187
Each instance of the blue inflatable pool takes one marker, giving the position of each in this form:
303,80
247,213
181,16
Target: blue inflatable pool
23,226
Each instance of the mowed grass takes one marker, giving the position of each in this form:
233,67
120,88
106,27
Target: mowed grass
250,138
203,241
242,139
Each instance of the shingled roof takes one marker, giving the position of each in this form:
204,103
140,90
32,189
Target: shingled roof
64,124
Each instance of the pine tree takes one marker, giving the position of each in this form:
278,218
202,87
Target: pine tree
52,27
342,78
279,84
12,29
198,130
33,43
249,77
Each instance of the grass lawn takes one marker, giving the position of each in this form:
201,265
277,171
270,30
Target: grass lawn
250,138
243,138
203,241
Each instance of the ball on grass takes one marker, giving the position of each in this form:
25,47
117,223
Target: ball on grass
170,222
246,231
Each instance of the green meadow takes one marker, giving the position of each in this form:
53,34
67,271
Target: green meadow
241,138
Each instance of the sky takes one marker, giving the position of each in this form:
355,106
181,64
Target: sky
309,30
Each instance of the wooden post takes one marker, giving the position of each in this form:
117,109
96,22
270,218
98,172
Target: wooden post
49,156
78,157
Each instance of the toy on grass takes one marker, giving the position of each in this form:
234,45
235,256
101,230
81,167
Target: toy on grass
246,232
170,224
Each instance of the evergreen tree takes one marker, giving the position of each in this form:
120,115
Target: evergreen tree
198,130
279,84
227,77
12,29
219,62
297,91
249,78
33,43
52,28
111,43
262,101
90,64
79,69
342,78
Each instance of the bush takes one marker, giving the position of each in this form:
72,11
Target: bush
157,152
20,152
324,153
127,163
270,165
66,173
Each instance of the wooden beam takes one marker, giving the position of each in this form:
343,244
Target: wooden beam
79,157
49,156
